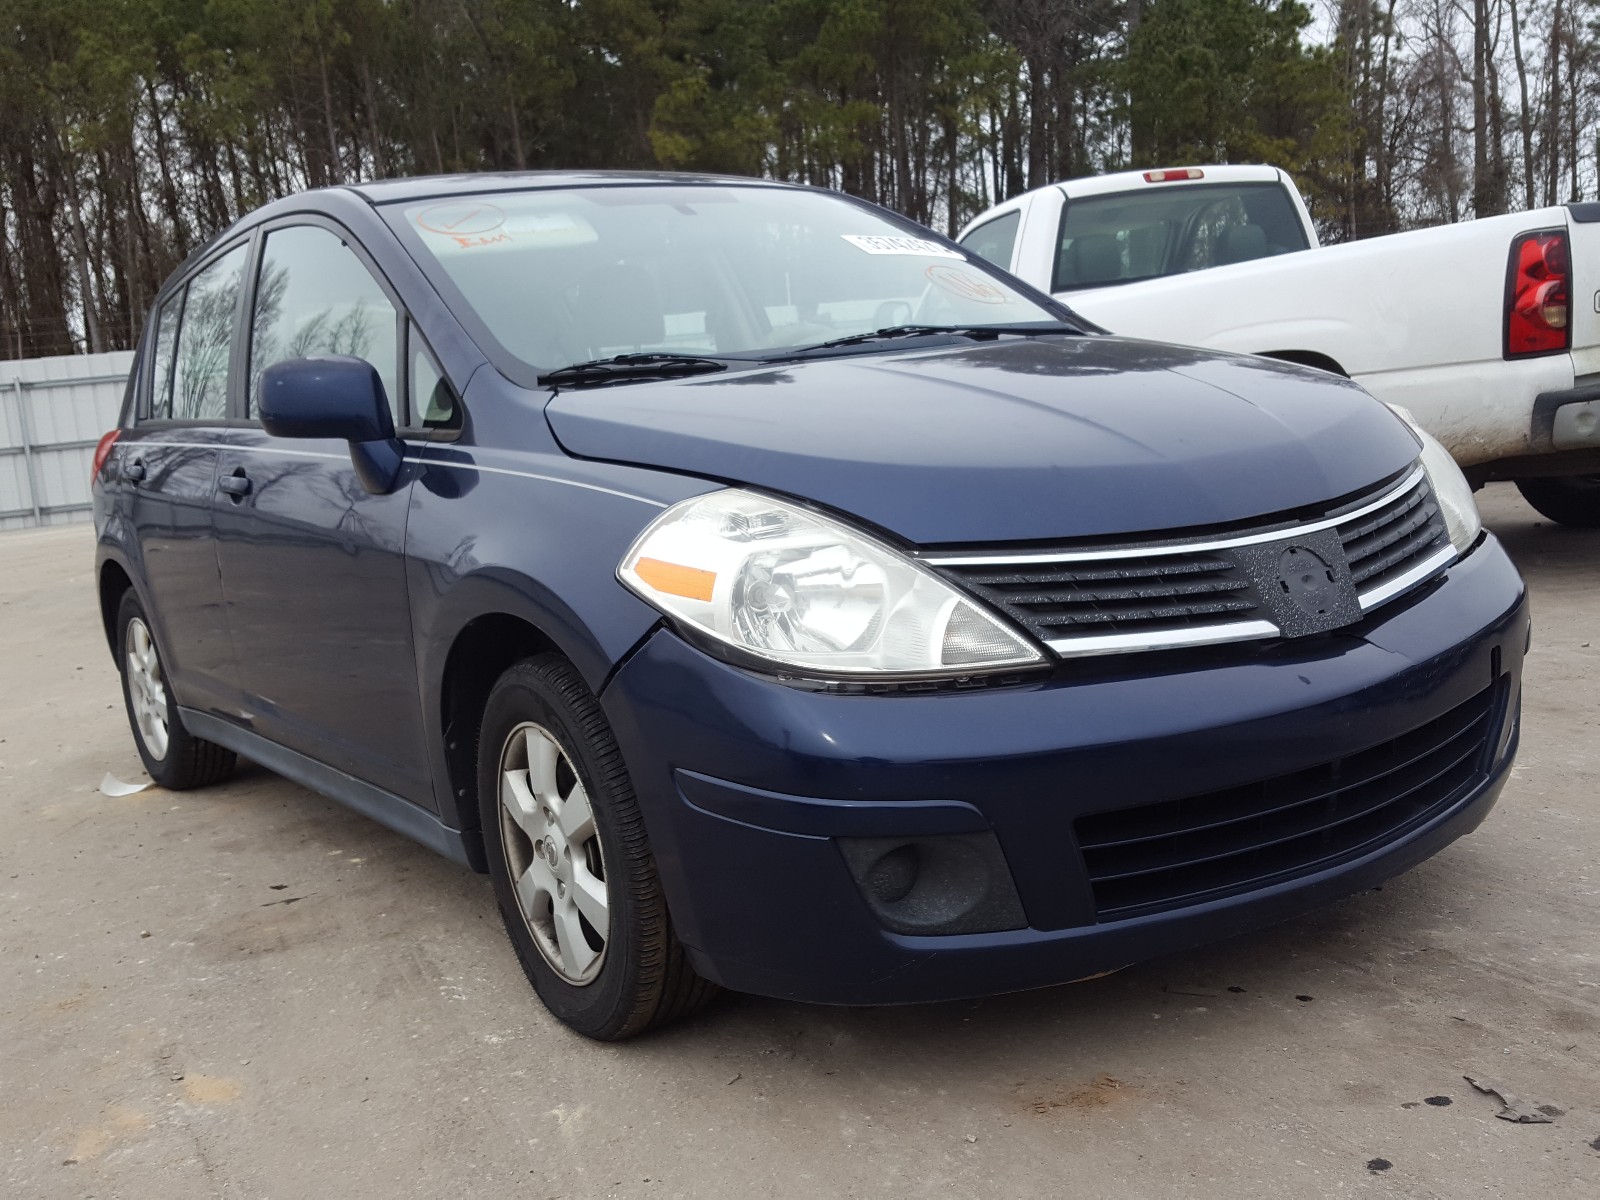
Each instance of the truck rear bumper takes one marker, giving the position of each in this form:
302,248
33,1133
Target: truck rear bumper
1568,419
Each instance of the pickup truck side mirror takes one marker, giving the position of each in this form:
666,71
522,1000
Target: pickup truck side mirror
335,396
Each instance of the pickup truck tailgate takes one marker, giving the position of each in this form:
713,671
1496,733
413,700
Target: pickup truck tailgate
1583,224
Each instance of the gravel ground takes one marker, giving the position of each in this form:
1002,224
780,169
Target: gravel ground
249,991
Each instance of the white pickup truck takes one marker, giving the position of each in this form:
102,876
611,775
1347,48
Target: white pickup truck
1477,328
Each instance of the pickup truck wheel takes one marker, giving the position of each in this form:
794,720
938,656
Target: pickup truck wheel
571,865
173,757
1567,500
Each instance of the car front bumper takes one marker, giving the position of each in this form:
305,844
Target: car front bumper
747,785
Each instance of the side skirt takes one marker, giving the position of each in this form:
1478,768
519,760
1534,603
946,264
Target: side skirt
386,808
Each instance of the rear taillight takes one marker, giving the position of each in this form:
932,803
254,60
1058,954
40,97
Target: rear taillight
1173,176
102,452
1537,295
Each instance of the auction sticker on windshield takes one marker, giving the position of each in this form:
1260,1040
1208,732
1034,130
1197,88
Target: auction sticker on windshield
874,243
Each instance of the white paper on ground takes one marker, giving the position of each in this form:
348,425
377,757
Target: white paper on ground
112,786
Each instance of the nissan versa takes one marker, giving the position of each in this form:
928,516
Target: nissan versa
767,593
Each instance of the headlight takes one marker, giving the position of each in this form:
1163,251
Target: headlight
798,589
1450,486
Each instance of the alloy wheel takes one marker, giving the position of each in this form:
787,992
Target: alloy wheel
147,689
553,853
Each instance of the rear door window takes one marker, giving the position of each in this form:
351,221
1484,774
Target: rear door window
994,240
314,296
1127,236
205,340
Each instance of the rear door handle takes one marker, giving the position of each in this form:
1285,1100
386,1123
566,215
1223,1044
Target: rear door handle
236,485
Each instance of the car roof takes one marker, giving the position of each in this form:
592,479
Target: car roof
423,187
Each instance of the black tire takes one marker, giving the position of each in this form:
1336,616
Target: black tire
1568,500
185,761
642,979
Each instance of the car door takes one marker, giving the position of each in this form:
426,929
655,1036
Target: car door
169,458
313,566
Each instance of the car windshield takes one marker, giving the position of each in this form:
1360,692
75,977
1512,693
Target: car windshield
566,276
1122,237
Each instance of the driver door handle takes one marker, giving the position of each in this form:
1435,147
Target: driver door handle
236,485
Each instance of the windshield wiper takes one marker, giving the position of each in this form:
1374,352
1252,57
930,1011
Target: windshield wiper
631,366
892,332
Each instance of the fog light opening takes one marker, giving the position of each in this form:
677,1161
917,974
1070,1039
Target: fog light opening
950,883
894,875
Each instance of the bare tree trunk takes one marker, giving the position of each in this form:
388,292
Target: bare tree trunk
1572,105
335,173
1483,189
518,156
1524,117
1552,136
80,247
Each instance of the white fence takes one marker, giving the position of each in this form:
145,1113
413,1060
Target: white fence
52,412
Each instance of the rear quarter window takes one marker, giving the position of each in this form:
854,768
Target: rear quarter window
166,341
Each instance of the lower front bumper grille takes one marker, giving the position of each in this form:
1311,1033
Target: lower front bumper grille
1181,852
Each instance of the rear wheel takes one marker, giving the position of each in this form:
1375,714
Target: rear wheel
174,757
571,865
1568,500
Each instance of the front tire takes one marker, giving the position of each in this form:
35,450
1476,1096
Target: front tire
570,862
1567,500
172,756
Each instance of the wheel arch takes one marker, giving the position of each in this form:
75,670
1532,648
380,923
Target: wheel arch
1307,358
481,651
114,583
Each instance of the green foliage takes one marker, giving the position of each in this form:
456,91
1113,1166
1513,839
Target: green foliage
132,130
1227,81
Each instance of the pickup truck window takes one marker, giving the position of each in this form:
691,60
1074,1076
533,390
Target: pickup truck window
995,239
1122,237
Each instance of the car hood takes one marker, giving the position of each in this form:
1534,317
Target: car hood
1017,440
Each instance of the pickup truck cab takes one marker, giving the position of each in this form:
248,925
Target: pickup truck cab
1478,328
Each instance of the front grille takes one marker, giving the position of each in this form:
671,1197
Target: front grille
1180,852
1384,545
1071,599
1199,589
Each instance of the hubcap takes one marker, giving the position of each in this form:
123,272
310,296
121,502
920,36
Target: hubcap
553,853
147,690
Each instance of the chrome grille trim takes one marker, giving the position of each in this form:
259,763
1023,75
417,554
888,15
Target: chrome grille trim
1171,594
1389,589
1164,639
1151,550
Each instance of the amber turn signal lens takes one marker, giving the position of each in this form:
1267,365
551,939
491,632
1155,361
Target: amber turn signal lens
675,579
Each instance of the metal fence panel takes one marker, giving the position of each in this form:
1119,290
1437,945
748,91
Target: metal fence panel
52,412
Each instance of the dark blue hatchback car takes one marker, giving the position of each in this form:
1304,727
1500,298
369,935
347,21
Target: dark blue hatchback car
767,593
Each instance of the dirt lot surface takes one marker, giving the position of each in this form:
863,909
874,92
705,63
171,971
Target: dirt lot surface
250,991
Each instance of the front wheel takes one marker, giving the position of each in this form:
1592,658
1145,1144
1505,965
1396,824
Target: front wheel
1567,500
172,756
571,865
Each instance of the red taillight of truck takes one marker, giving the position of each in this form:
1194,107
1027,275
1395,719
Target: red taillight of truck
1538,294
101,453
1176,175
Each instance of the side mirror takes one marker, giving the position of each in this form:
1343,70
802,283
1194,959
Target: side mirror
335,396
